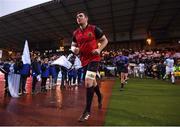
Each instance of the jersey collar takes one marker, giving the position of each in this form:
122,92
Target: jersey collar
84,28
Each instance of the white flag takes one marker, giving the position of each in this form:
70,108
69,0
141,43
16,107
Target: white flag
26,55
62,61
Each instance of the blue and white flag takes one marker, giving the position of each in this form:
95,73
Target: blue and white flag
13,82
26,55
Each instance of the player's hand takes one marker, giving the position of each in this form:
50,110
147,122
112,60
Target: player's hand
96,52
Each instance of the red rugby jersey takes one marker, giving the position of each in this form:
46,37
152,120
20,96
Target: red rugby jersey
86,40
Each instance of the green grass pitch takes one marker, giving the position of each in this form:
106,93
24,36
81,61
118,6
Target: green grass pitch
144,102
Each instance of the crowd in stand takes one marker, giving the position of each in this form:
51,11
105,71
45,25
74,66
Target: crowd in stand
143,63
150,63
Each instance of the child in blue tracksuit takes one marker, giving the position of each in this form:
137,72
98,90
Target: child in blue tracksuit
72,74
44,74
36,71
24,72
54,74
6,67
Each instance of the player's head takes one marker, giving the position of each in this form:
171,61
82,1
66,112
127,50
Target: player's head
171,55
120,53
81,18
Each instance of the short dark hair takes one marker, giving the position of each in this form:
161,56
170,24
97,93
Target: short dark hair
82,12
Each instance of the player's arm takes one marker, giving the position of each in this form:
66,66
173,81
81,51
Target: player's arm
103,41
74,47
101,38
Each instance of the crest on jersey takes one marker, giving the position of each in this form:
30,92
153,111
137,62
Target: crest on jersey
90,34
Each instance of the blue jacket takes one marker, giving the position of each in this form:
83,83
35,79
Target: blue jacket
72,73
25,70
53,71
36,68
17,67
45,70
6,67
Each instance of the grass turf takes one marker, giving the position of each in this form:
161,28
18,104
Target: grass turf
144,102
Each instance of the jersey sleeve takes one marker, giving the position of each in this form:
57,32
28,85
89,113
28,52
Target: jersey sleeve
98,32
74,39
